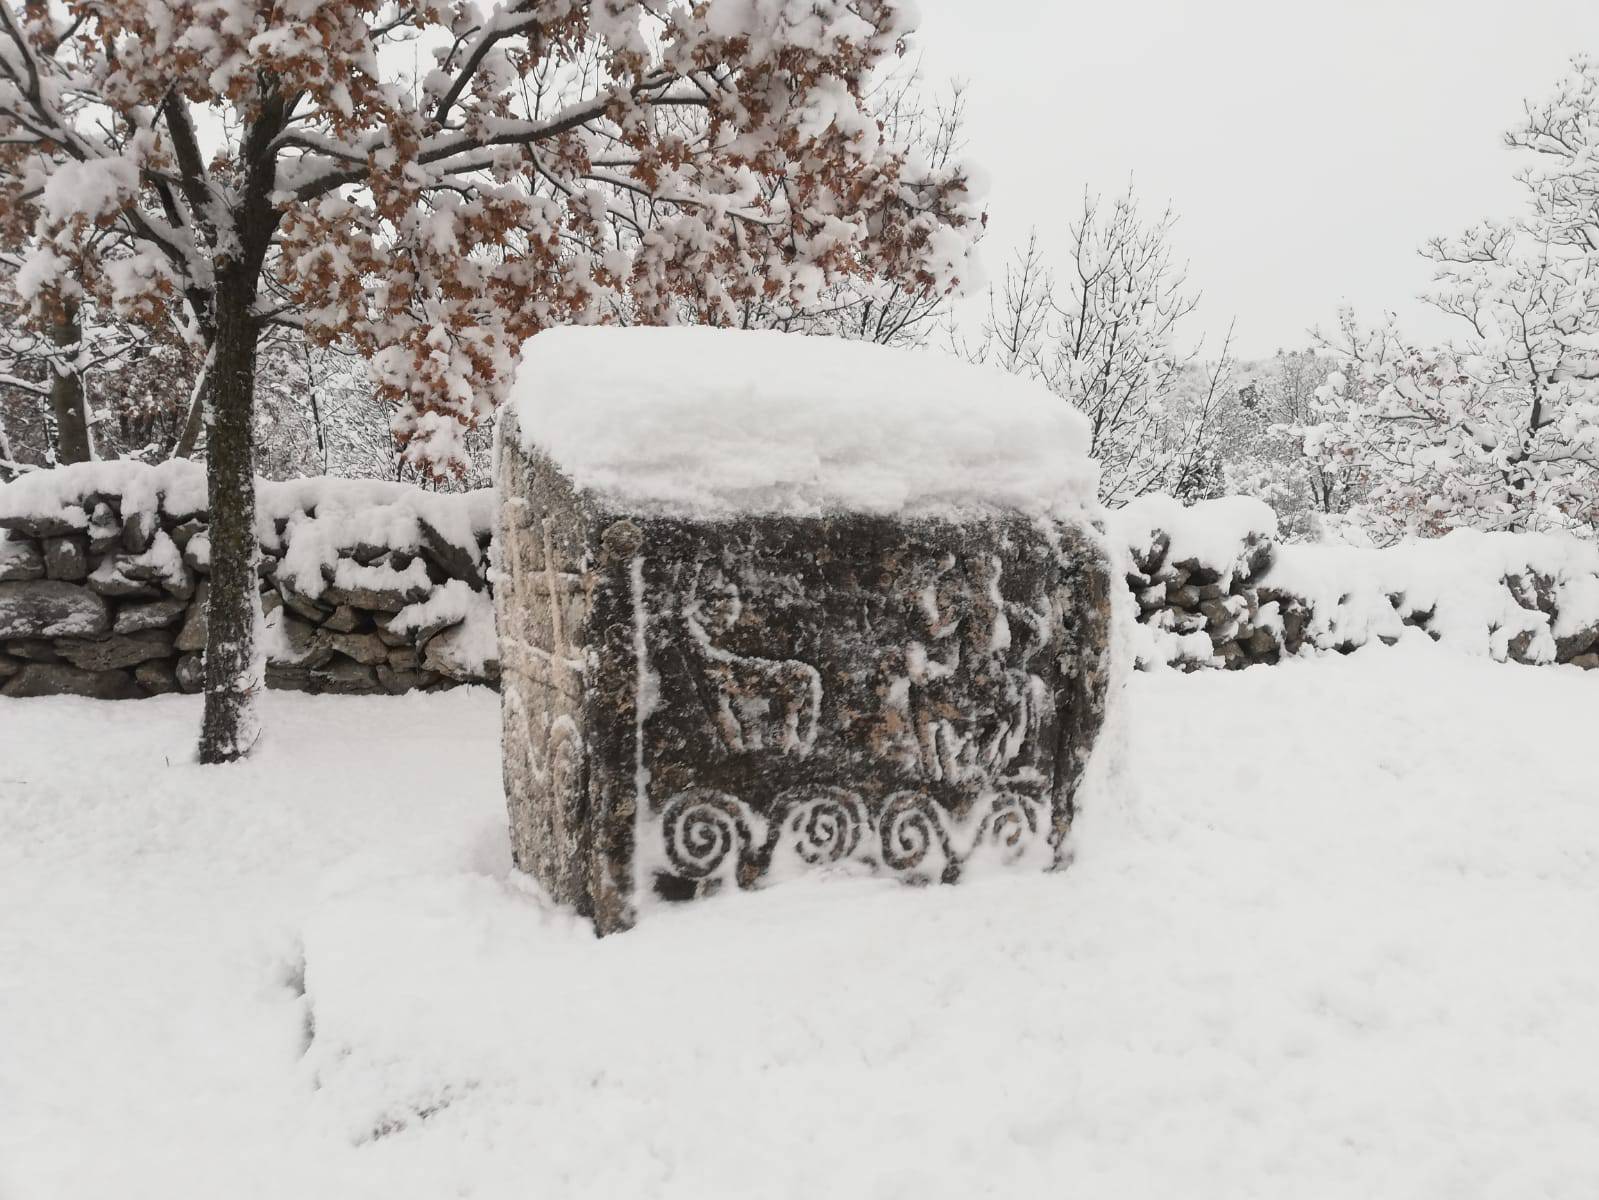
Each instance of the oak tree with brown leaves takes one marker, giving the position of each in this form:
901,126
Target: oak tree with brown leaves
236,164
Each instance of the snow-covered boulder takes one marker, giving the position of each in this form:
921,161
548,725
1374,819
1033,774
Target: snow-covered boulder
769,603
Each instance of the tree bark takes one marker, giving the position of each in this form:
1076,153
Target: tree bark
67,400
234,668
235,665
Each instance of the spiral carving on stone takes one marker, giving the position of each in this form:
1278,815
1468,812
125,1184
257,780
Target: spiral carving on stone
1012,822
565,763
703,829
823,824
910,828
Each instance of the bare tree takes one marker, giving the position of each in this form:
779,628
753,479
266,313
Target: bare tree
1500,428
1103,335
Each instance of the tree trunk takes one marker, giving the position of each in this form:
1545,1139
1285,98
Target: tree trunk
234,667
66,394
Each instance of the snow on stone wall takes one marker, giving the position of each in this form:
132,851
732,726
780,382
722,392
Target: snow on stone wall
366,586
1214,589
372,586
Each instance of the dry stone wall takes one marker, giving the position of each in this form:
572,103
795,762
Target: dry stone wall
1215,589
365,586
378,587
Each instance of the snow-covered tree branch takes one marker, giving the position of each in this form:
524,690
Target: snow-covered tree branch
1499,429
226,167
1105,338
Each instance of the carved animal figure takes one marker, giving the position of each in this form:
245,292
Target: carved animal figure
759,703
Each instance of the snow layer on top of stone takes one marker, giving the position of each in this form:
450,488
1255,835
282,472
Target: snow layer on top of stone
1213,533
713,423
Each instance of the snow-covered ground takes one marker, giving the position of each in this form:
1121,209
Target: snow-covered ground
1338,938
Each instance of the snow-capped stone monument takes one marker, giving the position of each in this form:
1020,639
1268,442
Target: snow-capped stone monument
769,603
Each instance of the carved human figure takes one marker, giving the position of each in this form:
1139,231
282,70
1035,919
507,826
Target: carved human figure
968,698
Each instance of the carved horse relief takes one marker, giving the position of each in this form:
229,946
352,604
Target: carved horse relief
756,703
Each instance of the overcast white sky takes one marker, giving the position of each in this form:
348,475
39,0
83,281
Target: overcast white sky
1309,148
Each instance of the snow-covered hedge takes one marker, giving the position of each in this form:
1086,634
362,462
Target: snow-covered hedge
367,586
372,586
1214,589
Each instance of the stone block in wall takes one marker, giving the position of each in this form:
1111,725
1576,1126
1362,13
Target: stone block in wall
158,677
50,608
20,561
155,614
118,650
105,530
192,636
61,679
691,705
42,524
190,672
67,558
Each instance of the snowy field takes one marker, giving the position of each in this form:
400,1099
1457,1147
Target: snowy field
1337,938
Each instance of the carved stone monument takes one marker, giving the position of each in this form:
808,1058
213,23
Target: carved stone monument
693,701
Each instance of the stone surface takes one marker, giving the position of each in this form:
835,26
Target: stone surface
50,608
421,633
67,558
344,676
59,679
404,658
343,620
301,604
105,531
191,672
185,530
298,644
43,525
445,655
197,553
20,560
111,578
157,614
33,649
139,530
365,648
456,562
397,681
118,650
157,677
288,678
192,635
694,706
374,599
1572,645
